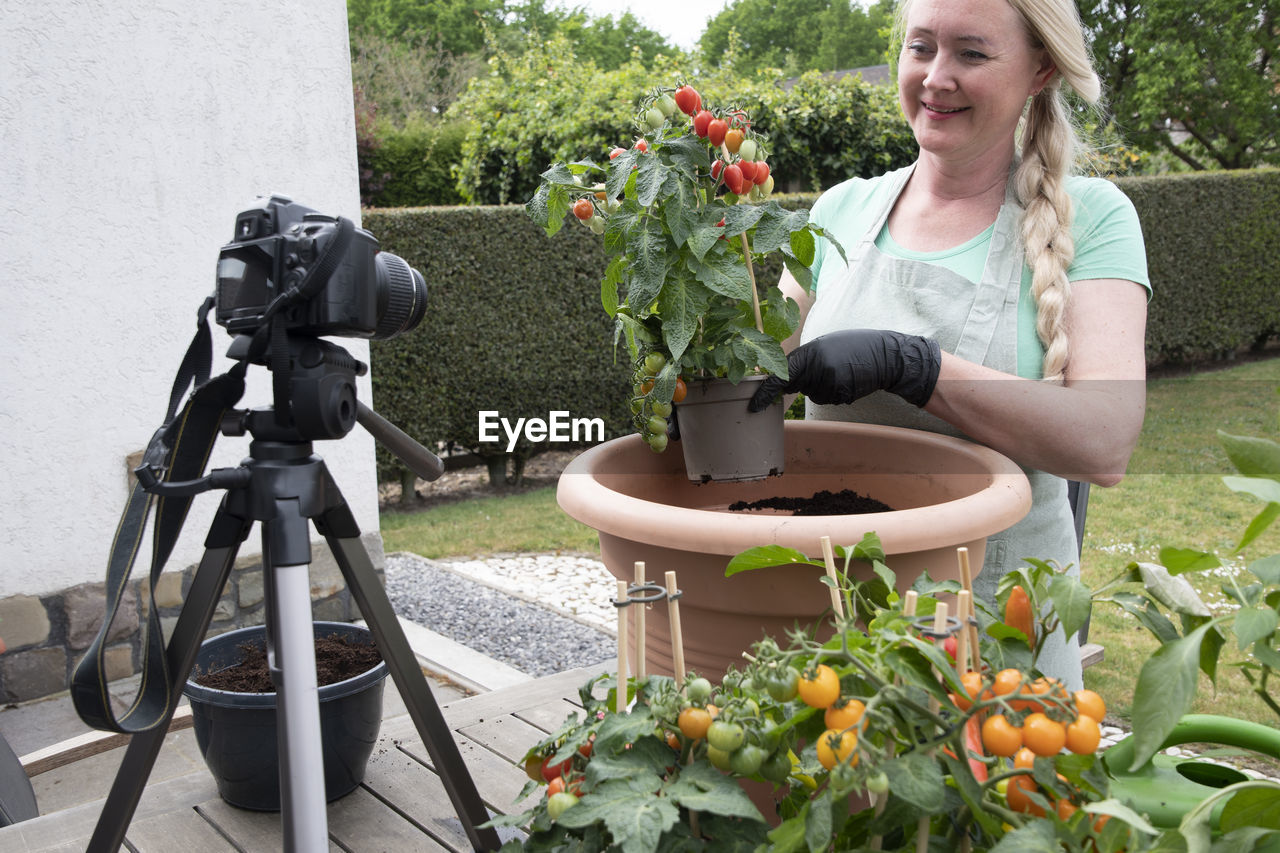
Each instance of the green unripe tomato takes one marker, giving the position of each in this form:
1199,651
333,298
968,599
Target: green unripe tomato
784,684
747,760
654,362
726,736
767,186
698,691
658,443
636,405
596,224
558,803
720,759
878,784
777,767
662,410
657,425
747,150
667,104
843,778
653,118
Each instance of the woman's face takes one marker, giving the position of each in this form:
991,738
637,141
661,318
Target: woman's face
966,71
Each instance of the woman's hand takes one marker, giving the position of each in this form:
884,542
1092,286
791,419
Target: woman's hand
844,366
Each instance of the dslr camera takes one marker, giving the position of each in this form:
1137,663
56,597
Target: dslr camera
320,274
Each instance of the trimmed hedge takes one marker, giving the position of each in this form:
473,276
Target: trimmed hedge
413,164
1211,248
514,321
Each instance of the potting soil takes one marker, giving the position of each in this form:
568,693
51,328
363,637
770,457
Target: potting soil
337,659
825,502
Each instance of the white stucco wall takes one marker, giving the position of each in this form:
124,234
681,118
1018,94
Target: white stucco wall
131,134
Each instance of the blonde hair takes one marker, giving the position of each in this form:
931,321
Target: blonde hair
1050,148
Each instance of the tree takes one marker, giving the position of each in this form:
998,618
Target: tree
801,35
454,26
1197,79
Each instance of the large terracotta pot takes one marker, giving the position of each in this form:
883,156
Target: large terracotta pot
946,492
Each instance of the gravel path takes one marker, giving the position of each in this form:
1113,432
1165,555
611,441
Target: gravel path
491,606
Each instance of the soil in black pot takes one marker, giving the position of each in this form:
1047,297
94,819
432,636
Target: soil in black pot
825,502
337,659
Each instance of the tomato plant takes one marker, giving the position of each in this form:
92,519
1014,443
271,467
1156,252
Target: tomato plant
999,737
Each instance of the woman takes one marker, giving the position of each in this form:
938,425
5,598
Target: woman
986,293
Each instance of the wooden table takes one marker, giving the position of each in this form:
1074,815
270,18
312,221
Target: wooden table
402,804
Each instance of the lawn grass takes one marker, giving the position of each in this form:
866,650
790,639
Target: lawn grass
1173,495
525,522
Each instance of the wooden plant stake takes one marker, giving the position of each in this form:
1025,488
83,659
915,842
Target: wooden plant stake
623,601
964,607
829,557
677,641
966,582
922,826
909,604
639,623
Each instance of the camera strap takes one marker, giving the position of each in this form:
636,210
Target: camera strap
179,449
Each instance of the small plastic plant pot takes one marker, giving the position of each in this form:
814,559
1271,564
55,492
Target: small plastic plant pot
236,732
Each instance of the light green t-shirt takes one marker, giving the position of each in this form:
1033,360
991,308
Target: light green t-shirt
1105,228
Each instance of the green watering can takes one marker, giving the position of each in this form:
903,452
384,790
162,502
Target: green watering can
1168,787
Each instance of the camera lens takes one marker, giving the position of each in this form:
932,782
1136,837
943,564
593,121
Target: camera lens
402,296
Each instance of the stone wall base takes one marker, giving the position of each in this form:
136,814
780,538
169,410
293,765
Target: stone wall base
46,636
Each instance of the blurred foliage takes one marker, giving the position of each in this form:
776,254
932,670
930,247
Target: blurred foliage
1195,79
801,35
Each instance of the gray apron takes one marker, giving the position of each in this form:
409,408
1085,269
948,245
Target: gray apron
976,323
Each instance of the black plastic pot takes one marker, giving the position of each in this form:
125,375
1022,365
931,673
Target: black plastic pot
721,440
236,732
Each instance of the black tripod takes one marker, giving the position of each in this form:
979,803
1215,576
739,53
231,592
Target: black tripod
286,487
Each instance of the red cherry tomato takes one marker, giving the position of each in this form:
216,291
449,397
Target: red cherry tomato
584,209
641,145
688,100
613,155
733,178
748,170
701,121
716,131
716,168
762,171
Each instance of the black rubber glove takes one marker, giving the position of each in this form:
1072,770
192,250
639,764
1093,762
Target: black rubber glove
844,366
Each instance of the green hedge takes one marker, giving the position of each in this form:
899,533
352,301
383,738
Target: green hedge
1211,248
412,164
514,321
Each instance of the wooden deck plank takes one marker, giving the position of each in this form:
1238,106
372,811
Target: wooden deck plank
550,716
360,821
253,832
509,736
160,834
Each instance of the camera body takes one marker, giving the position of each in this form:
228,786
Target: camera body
319,274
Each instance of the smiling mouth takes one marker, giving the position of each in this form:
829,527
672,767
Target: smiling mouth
944,110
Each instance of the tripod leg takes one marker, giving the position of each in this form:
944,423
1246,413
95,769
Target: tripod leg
225,535
340,530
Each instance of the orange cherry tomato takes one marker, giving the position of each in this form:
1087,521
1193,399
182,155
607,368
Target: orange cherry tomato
844,714
836,746
1042,735
999,737
681,390
1083,735
1019,787
1007,681
972,682
819,686
694,722
1091,704
733,140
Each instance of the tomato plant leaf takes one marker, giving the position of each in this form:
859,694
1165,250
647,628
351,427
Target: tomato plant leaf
970,792
1179,560
1072,601
1252,457
682,215
722,273
1037,836
618,227
617,730
1260,522
801,273
648,271
775,227
788,836
701,787
620,172
802,247
916,778
609,284
1166,685
1263,488
633,815
739,218
757,348
1176,593
1267,569
680,305
766,556
1141,608
1254,623
650,178
817,825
